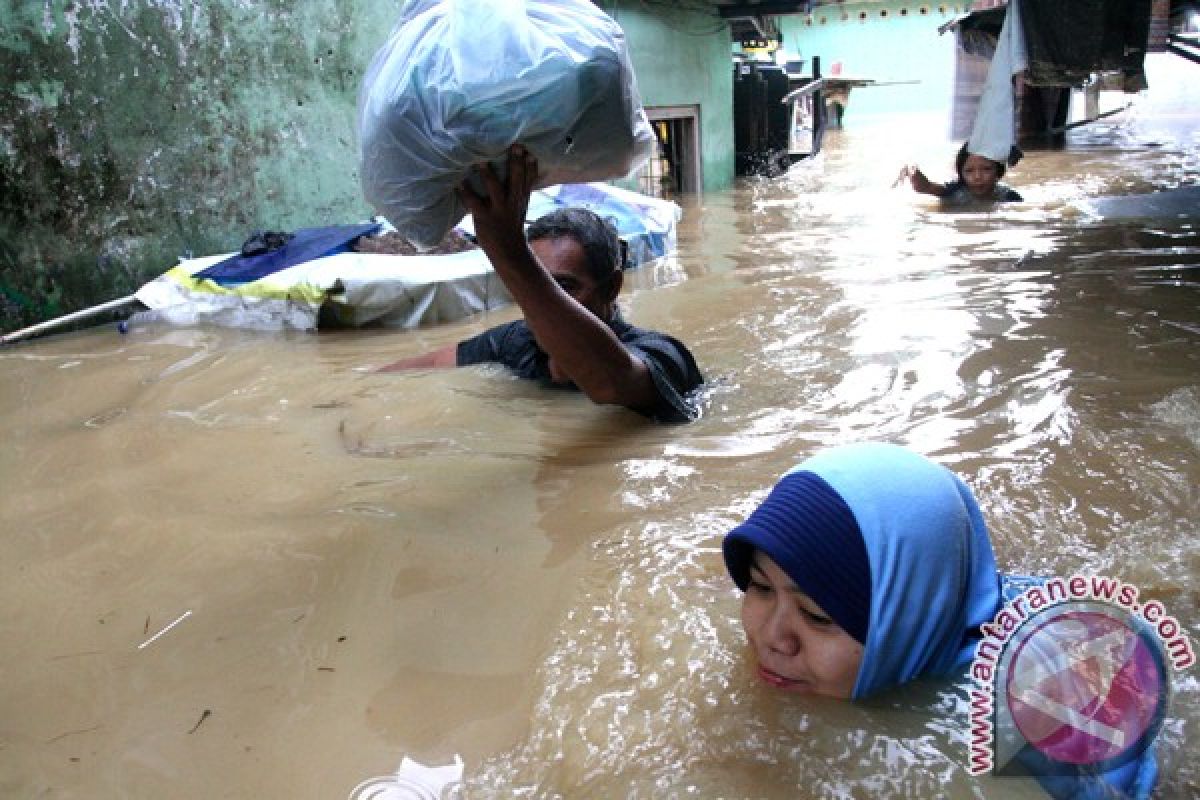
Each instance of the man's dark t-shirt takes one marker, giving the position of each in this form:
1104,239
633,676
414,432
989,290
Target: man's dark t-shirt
671,365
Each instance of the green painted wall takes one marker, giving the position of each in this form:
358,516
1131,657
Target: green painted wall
682,57
132,131
887,41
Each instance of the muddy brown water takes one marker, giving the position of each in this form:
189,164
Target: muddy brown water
242,565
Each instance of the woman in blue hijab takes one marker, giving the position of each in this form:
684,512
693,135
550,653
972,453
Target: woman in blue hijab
869,566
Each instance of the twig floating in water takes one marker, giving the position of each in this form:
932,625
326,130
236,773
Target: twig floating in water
203,717
72,733
180,619
76,655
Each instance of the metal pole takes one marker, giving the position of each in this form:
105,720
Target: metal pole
1109,113
58,322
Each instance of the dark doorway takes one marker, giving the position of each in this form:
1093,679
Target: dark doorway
675,167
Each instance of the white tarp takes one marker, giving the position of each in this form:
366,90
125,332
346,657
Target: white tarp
357,289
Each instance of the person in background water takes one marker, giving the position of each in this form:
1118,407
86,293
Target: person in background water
978,182
869,566
565,274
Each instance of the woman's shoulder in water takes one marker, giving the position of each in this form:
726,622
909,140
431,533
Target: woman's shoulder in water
957,195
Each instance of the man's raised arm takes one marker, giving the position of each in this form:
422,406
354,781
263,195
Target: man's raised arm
582,347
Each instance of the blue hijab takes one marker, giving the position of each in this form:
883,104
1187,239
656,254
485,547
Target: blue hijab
929,561
932,575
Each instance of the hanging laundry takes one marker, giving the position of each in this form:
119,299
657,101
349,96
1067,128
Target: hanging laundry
994,134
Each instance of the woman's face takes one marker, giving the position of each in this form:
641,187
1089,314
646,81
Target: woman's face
798,647
980,175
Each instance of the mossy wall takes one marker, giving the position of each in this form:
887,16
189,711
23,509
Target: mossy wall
134,131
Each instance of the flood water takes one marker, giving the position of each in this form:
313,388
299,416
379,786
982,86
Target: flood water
243,565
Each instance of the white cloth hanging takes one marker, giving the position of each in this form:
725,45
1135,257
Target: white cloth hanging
994,134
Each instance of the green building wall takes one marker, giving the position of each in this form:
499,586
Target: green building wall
887,41
136,131
682,57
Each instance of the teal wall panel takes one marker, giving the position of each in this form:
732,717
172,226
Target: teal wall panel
886,41
682,57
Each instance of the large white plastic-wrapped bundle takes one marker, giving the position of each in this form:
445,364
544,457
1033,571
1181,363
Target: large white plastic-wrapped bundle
459,81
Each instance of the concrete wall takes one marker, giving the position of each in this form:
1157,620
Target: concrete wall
132,131
893,41
683,57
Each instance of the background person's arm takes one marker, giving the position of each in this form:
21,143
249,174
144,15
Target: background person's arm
922,184
582,347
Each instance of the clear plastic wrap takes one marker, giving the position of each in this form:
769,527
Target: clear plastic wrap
459,81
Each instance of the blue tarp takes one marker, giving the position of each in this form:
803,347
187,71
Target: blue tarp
306,244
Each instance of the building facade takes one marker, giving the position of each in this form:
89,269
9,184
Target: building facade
134,132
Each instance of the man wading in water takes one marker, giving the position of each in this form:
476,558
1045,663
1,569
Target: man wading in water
565,274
